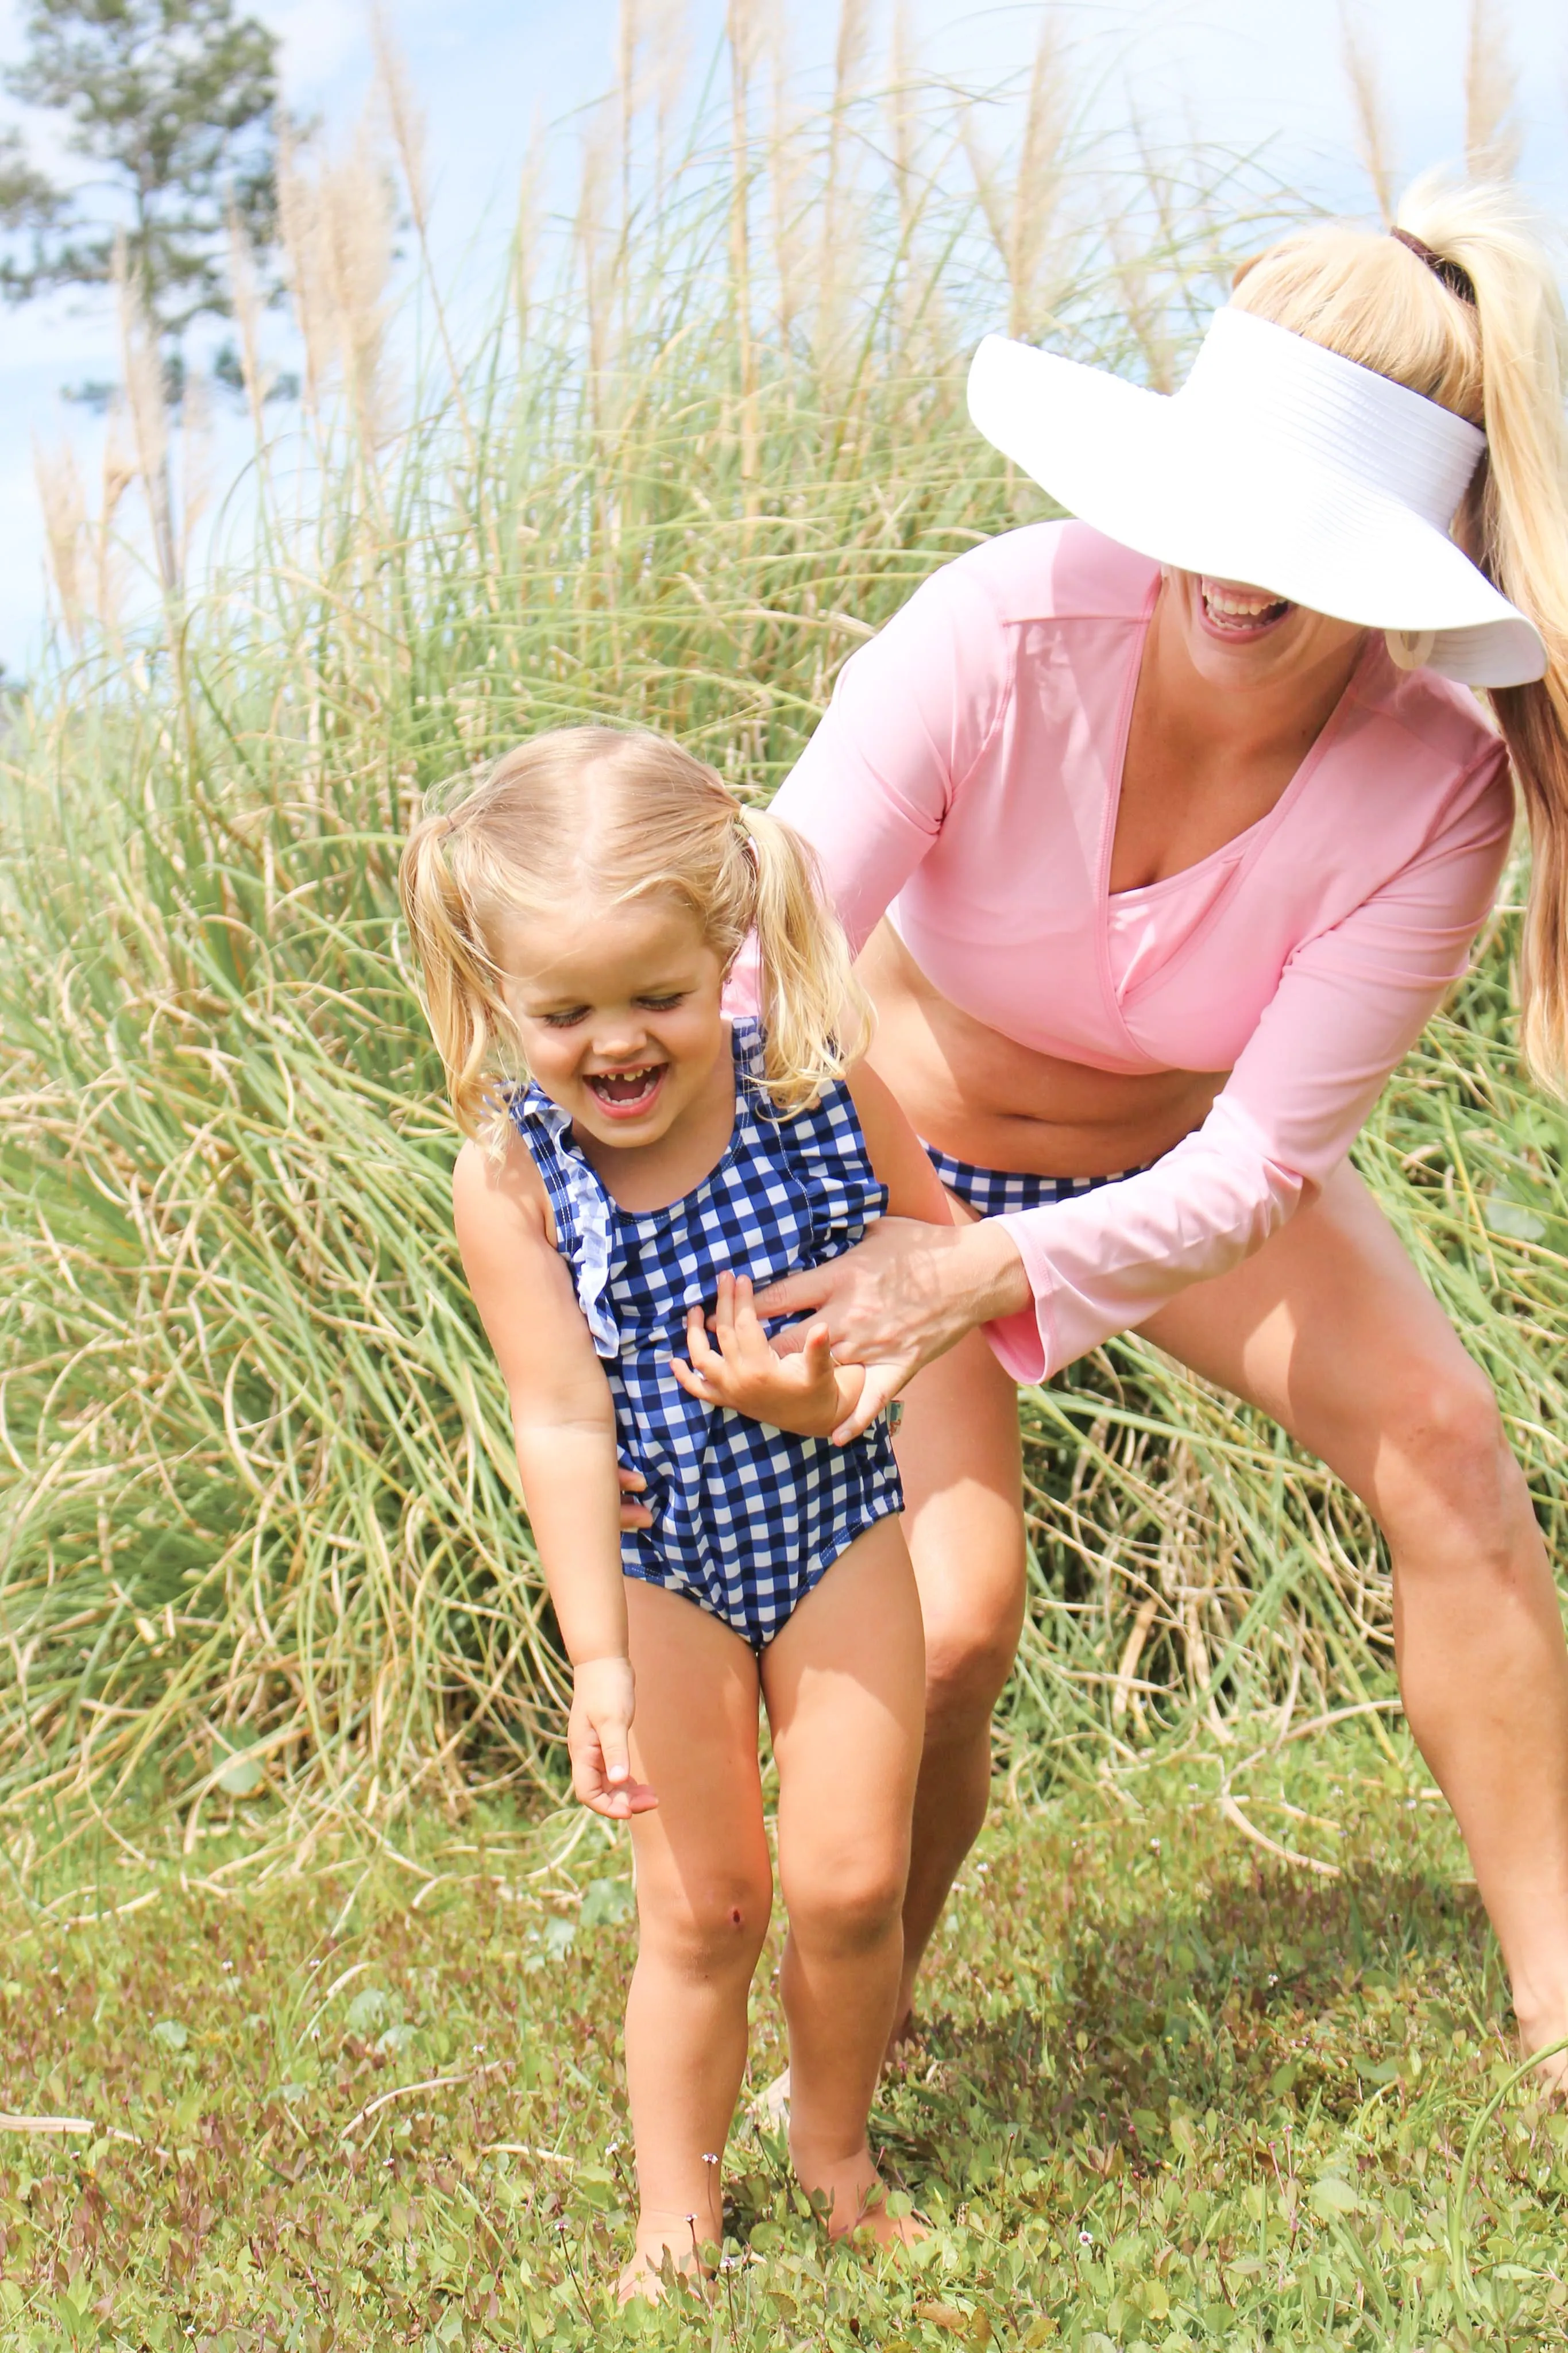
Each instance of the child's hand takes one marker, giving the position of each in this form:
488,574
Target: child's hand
602,1698
805,1391
634,1512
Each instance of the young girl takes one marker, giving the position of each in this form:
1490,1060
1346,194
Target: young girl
578,915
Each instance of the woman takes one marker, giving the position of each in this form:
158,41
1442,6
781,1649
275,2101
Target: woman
1190,822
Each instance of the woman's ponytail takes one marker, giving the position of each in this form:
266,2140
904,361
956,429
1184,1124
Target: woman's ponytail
1517,528
816,1018
1499,359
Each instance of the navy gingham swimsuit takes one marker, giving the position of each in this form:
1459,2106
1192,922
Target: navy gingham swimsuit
746,1518
1003,1192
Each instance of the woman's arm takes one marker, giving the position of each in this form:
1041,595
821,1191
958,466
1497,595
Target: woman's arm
791,1381
1055,1281
564,1425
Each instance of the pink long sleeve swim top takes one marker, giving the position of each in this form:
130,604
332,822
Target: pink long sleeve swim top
964,782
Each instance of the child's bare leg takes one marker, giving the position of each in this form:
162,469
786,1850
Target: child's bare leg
704,1893
845,1683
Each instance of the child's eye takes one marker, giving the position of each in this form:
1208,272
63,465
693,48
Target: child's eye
663,1004
567,1020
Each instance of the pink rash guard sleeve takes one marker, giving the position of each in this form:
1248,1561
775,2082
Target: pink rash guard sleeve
1338,951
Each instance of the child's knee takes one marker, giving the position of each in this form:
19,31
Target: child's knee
706,1929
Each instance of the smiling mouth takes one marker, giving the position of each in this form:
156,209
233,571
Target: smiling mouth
1240,613
627,1094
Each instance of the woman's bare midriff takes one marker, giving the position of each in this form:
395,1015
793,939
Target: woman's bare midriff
985,1098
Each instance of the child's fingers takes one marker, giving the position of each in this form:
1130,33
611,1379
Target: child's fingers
703,1354
695,1384
748,1333
634,1512
818,1350
724,1317
615,1805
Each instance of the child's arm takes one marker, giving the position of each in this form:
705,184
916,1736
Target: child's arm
564,1424
792,1382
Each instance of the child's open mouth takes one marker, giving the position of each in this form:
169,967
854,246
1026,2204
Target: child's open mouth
1238,613
627,1094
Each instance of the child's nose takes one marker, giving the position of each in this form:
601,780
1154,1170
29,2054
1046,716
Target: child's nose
619,1036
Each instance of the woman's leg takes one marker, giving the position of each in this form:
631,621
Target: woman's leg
1331,1330
845,1689
704,1885
961,1467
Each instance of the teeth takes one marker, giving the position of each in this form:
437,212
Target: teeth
625,1086
1235,608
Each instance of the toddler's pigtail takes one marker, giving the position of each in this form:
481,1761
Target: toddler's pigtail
816,1015
462,1001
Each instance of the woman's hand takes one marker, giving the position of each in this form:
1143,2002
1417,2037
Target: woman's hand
905,1295
602,1699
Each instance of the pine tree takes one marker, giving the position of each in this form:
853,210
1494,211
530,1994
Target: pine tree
175,103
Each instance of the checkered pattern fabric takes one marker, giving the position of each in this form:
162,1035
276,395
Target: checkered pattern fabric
746,1518
998,1192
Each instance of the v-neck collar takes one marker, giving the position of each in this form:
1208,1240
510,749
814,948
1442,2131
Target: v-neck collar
1234,853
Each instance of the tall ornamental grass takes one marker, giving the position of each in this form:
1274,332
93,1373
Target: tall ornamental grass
260,1525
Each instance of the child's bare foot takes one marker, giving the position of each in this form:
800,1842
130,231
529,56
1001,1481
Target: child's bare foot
662,2259
856,2199
1542,2030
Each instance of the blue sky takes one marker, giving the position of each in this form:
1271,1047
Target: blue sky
486,70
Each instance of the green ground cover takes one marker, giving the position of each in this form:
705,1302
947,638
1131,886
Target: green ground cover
1168,2093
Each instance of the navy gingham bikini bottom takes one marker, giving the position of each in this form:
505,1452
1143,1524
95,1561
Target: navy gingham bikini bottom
1000,1192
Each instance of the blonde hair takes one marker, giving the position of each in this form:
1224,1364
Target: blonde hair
596,812
1500,361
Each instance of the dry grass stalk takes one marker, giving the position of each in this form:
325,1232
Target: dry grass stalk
629,36
64,504
851,51
146,403
903,137
406,124
405,120
787,176
591,236
1375,148
1492,140
524,257
336,221
742,32
247,301
299,229
195,464
118,473
1038,187
357,226
669,58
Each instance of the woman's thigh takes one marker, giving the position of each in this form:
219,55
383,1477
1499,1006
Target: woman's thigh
962,1465
702,1864
1331,1330
845,1686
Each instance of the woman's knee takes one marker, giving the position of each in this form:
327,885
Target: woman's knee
1443,1461
969,1657
845,1904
